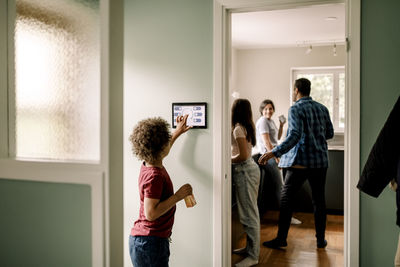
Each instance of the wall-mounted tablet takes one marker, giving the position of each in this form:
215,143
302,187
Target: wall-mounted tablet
197,113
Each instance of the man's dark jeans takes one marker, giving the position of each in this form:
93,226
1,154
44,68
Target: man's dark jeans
149,251
294,179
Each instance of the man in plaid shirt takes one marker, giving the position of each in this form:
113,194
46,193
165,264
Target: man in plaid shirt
304,156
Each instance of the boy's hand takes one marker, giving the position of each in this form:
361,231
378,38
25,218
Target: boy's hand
184,191
181,126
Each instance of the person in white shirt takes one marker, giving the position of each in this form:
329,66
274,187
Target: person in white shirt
268,135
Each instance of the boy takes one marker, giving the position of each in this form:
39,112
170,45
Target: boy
149,239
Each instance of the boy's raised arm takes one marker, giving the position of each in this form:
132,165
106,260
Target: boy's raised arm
181,128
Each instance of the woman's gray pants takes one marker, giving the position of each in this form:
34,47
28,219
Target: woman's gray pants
246,176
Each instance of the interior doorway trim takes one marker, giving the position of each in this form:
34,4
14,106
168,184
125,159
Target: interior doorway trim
221,122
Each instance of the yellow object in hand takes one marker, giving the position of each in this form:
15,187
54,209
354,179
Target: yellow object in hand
190,201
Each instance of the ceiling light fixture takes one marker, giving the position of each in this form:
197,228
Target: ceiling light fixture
331,18
309,50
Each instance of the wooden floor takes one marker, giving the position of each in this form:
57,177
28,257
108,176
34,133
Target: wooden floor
302,249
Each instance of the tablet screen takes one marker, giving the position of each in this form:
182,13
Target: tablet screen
197,114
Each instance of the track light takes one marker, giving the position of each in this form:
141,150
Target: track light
309,49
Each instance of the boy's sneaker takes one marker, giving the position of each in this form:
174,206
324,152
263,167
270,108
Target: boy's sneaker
275,243
247,262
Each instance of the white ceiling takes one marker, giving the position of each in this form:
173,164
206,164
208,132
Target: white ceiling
291,27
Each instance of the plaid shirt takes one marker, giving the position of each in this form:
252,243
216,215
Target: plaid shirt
309,128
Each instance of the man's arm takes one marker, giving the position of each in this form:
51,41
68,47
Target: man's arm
295,131
329,127
294,134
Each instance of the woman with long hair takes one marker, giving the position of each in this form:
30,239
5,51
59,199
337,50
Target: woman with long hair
246,177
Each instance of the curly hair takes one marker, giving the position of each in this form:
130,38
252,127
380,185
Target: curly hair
149,138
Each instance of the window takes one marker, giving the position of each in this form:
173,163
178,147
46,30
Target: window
328,88
55,111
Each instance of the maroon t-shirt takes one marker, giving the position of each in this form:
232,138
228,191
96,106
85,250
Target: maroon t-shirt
154,183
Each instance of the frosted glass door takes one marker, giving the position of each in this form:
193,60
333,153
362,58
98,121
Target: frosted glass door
57,79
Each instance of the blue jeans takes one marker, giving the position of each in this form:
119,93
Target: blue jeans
274,183
149,251
246,176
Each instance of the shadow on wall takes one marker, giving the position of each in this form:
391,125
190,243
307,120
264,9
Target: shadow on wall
188,157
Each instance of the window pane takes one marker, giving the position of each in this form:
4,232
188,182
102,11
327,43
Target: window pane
321,89
342,98
57,79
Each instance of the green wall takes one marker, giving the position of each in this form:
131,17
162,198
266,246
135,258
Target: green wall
45,224
380,88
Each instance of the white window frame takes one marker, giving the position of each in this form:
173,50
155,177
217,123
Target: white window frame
336,71
92,173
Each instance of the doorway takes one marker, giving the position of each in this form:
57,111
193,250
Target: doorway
270,49
222,95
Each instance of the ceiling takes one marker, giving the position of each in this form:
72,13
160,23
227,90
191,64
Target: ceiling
291,27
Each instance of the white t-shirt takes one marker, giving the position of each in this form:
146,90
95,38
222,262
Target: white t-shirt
263,126
239,132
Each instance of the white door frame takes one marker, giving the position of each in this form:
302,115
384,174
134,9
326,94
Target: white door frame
221,123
